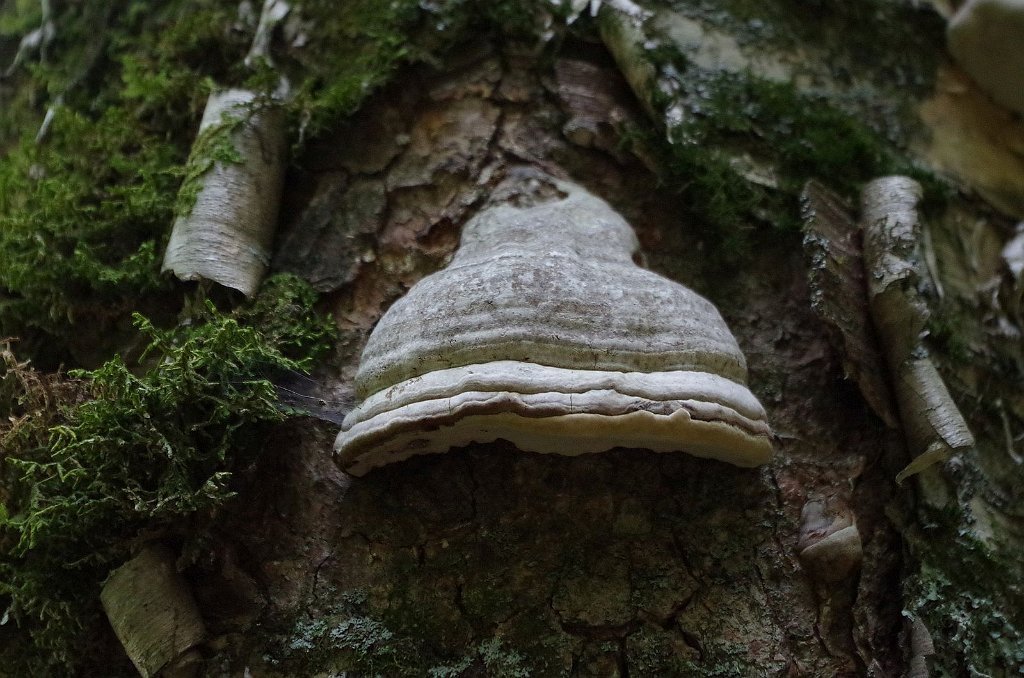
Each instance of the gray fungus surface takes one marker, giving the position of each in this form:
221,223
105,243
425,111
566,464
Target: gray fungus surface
544,331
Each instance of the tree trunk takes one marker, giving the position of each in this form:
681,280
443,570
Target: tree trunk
489,561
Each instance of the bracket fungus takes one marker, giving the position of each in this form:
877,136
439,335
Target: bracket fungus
544,332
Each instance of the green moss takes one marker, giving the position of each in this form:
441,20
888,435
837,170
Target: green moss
283,312
215,144
84,215
78,229
351,53
737,126
149,456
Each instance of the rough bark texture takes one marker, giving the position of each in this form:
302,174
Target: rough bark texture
610,564
489,561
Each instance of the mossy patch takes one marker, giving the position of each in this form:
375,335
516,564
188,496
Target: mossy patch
79,228
133,457
968,595
214,144
745,146
368,646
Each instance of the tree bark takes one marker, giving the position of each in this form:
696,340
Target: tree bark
489,561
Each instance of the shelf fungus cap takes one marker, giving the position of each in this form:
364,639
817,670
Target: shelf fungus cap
544,332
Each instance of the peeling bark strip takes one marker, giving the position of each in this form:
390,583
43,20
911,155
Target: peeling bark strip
933,425
229,200
153,613
622,34
839,293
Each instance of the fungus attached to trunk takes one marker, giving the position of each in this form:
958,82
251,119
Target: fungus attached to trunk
544,332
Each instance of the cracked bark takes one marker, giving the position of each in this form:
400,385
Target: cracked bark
624,563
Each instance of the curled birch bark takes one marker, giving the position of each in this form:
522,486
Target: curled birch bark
153,613
622,33
272,13
229,200
36,41
932,423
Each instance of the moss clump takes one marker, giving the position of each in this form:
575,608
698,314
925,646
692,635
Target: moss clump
803,135
284,314
351,53
140,457
80,220
746,146
84,214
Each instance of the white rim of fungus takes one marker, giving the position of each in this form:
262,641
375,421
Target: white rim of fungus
556,411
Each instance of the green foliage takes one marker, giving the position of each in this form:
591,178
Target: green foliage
78,229
168,57
283,312
144,456
84,214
